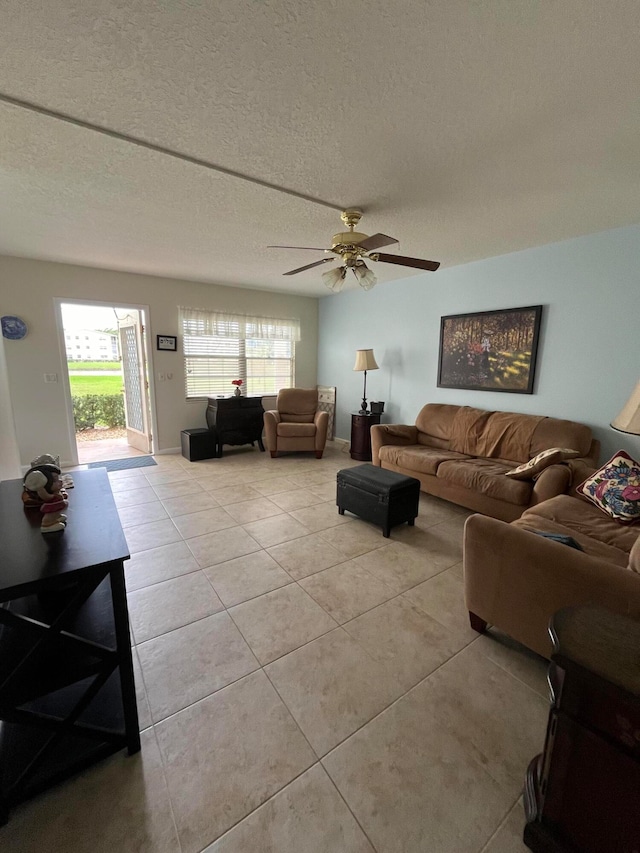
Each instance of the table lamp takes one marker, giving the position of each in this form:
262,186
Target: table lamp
629,418
365,360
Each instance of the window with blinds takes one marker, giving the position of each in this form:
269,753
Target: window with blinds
219,348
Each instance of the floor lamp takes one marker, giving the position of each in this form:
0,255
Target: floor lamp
365,360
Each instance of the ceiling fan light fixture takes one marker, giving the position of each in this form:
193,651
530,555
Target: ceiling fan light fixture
352,248
366,278
334,279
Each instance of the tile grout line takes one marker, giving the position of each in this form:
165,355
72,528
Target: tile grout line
262,667
513,675
351,812
167,788
502,823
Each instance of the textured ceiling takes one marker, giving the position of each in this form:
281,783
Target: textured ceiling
467,129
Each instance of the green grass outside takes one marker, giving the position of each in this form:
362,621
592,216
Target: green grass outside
83,385
94,365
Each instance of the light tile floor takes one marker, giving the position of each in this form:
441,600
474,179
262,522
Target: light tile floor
304,685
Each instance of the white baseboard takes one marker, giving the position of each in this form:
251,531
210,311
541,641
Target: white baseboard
167,451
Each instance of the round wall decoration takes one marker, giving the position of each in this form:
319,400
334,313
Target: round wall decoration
13,328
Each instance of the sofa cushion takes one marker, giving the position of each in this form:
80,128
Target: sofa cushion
615,488
599,535
416,457
555,432
486,476
434,424
535,466
436,420
466,429
296,430
297,404
634,556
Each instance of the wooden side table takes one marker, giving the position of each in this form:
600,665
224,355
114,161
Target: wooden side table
67,692
361,435
583,793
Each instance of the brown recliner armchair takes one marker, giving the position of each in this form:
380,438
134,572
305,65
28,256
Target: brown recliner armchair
296,424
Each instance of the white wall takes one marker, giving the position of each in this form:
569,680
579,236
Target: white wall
9,455
28,289
589,354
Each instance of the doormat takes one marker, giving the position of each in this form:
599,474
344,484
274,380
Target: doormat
124,464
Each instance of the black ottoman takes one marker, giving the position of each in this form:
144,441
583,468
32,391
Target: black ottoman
379,496
197,444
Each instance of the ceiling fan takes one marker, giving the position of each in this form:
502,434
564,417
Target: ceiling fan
354,248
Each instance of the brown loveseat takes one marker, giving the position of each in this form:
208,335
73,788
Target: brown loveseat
462,454
516,580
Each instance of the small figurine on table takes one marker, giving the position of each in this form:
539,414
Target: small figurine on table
43,490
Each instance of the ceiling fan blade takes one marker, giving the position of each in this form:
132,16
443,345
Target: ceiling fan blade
311,248
309,266
376,241
403,261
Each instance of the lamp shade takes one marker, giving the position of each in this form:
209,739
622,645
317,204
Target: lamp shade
366,279
365,360
334,279
629,418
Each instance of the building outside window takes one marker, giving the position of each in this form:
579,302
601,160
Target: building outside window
99,346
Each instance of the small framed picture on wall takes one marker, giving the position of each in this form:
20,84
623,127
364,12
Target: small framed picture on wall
167,342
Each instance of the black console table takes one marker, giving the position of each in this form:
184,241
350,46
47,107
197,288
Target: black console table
67,692
235,420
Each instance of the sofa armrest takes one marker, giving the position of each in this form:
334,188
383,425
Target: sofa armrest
271,421
516,580
395,434
321,420
554,480
580,468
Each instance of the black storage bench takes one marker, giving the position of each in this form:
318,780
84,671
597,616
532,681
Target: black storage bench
379,496
198,444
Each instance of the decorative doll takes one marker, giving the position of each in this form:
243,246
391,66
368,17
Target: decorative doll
43,490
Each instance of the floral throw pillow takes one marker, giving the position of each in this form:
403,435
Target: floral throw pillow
615,488
543,460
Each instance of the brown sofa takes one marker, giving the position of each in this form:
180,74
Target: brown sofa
462,454
516,580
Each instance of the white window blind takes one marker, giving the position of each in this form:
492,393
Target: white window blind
219,348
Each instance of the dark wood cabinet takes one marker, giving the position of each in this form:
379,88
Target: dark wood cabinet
583,793
361,435
67,692
235,420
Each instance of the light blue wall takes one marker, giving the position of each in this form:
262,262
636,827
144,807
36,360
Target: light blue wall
589,353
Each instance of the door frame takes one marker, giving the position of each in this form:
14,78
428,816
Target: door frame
58,302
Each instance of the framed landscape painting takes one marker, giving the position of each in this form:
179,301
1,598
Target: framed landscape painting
490,350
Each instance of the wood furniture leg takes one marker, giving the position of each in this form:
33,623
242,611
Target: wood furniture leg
477,623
